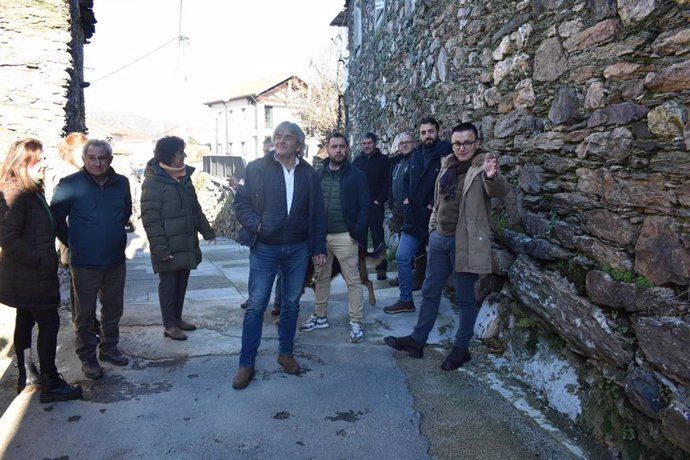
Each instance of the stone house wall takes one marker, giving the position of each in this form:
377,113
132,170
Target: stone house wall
586,101
41,69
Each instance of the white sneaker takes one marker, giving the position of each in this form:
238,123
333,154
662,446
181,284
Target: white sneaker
314,322
356,334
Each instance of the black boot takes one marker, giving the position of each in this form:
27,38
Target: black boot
54,388
382,270
21,378
456,358
406,343
27,374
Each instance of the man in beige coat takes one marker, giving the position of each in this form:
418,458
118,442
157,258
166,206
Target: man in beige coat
459,241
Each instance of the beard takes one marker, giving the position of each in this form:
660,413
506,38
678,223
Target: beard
337,161
429,143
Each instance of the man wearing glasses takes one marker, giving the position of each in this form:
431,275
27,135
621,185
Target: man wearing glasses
418,192
459,242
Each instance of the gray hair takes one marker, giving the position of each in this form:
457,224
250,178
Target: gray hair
97,143
395,146
295,130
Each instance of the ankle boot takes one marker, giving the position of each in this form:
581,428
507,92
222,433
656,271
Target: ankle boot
27,374
456,358
33,377
21,378
54,388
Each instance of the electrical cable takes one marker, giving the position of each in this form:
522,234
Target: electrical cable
176,38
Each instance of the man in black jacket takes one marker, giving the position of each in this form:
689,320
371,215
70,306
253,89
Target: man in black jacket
418,189
346,200
280,207
375,165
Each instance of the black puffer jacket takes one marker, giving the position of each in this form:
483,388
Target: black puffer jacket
28,260
418,187
172,218
378,171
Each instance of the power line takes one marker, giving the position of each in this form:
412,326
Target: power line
176,38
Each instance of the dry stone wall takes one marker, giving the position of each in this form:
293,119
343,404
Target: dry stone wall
587,103
41,58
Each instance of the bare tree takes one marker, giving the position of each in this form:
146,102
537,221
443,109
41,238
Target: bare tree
321,110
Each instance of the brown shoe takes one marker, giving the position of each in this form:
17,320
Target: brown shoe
289,364
242,377
174,333
401,306
185,326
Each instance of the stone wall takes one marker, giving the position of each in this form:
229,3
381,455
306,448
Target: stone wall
41,68
586,101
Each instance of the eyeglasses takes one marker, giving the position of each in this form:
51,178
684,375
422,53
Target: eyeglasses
406,142
466,144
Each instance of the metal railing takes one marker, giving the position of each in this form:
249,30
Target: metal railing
224,165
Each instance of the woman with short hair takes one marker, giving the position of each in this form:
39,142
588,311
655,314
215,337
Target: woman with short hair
172,218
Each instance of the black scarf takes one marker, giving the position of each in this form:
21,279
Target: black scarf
449,180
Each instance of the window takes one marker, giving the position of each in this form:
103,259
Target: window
268,116
379,12
244,114
244,146
229,152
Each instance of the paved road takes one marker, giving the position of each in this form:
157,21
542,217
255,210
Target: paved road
352,401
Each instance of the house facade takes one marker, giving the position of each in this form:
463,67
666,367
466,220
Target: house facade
249,112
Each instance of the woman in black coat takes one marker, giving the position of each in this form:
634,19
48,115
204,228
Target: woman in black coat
172,218
29,263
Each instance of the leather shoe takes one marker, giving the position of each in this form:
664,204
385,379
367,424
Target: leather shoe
276,310
289,364
242,377
174,333
456,358
407,344
92,369
185,326
113,357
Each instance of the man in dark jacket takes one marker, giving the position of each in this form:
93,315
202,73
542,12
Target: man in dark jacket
346,199
377,169
280,207
418,189
98,204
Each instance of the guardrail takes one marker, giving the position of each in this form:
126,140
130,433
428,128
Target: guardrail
224,165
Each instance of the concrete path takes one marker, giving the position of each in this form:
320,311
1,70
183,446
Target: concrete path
174,399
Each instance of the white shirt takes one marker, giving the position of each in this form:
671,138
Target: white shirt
289,176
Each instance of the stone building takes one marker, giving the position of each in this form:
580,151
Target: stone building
41,68
586,101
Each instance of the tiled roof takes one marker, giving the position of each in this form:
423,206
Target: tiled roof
253,88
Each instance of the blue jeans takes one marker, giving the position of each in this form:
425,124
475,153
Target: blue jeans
407,249
265,260
440,264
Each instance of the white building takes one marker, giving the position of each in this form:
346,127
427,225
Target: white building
248,113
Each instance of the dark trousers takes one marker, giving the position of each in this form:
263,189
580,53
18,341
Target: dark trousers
90,284
48,321
171,291
376,229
